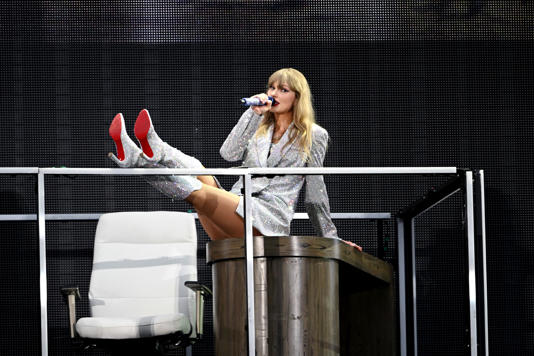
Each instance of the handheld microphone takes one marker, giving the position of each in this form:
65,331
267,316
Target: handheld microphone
254,101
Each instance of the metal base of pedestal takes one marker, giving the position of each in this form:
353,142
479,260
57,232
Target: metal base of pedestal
296,307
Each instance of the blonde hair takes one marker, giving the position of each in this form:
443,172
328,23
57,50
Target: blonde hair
303,113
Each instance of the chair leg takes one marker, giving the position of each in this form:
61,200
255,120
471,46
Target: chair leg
70,294
189,351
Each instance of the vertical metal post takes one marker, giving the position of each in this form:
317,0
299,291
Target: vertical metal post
402,287
42,262
482,218
249,254
407,286
411,230
470,228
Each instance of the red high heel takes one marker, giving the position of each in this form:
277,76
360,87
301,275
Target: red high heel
115,131
127,151
143,126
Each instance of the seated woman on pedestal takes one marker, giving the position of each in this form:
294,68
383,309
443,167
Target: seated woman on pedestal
280,133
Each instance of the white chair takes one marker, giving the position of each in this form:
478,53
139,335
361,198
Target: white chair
140,265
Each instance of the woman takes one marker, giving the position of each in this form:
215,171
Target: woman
280,133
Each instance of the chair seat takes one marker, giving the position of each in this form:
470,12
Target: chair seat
132,328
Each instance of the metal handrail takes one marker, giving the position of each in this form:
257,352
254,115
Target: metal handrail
96,216
252,171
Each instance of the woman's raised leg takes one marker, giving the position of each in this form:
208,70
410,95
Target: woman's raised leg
215,207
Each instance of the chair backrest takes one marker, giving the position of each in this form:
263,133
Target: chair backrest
141,261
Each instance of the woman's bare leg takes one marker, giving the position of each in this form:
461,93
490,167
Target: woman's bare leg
213,231
177,159
219,207
158,153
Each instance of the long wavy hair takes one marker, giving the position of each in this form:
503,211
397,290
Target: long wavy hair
303,113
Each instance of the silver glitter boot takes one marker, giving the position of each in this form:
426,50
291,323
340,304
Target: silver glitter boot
158,154
172,186
127,151
175,187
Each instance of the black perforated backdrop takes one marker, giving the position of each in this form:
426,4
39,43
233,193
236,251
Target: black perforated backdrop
417,83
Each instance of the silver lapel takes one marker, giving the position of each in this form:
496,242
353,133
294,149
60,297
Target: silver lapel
280,149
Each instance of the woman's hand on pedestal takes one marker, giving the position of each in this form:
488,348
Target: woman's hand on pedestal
359,248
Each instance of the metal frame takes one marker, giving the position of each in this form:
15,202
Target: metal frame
407,269
474,219
405,230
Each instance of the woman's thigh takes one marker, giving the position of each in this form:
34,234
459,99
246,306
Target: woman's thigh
214,232
219,206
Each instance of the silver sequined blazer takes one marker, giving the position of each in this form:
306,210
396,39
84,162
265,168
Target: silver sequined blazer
275,199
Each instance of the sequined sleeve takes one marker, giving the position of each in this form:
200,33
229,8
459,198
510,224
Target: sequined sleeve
316,200
235,145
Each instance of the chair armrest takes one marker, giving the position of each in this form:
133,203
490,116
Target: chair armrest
197,286
201,291
69,295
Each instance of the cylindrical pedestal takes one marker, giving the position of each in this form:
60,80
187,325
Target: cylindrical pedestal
299,282
296,306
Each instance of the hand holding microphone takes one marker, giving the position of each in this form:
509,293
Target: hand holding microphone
255,101
260,103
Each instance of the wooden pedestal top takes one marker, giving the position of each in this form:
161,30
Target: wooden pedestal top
301,246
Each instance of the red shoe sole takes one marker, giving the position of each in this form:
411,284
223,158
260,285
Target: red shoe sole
115,132
142,125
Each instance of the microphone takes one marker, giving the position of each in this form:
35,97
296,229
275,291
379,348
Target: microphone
254,101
